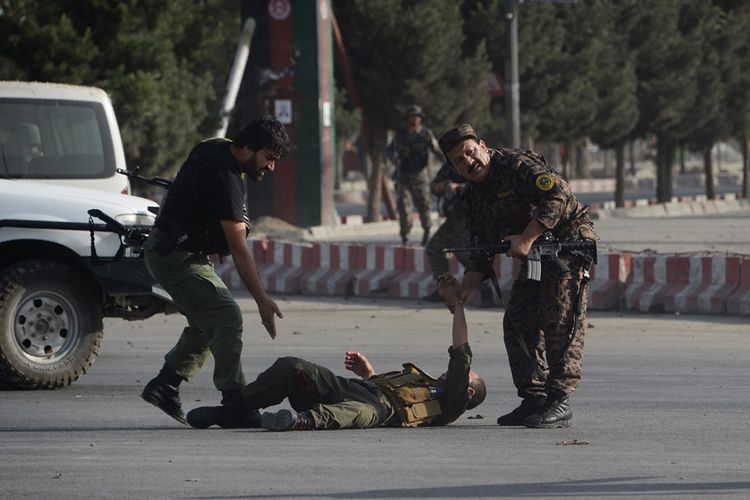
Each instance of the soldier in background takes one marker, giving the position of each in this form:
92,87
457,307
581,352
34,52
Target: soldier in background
448,185
409,151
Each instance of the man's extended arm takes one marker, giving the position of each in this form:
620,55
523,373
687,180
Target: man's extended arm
245,264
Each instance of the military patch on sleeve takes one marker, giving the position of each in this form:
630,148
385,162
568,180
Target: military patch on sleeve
545,182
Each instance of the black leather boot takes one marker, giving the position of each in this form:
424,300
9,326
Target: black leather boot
528,407
555,414
163,391
228,416
287,420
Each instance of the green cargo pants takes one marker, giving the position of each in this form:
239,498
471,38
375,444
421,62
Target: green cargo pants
333,402
213,316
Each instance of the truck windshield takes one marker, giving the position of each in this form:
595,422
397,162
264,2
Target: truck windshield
52,139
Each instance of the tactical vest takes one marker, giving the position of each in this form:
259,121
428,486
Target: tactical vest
409,393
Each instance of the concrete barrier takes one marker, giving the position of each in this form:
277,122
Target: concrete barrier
738,303
608,279
705,288
696,284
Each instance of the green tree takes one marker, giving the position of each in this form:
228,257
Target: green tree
737,80
706,23
615,82
163,63
667,64
404,52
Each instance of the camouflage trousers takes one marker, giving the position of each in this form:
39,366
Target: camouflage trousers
544,358
413,189
453,232
333,402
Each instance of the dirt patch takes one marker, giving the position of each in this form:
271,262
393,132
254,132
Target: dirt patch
276,228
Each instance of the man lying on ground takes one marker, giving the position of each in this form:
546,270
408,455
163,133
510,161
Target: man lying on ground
322,400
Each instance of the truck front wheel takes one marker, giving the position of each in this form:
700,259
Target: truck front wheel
50,325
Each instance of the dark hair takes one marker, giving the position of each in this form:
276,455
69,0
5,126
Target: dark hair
265,132
480,391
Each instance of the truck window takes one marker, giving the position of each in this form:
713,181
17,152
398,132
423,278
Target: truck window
51,139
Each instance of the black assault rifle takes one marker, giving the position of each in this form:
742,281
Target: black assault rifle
545,248
154,181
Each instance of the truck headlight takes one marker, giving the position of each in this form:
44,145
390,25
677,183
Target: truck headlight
139,219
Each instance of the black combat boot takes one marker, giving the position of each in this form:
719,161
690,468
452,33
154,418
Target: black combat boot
163,391
230,416
527,408
287,420
404,239
555,414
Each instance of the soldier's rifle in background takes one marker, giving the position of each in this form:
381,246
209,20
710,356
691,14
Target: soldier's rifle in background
154,181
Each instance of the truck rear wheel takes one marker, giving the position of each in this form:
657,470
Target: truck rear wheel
50,325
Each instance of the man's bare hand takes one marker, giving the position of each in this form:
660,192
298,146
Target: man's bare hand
451,291
268,311
359,364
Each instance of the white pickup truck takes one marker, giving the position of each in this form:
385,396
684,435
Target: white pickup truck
69,256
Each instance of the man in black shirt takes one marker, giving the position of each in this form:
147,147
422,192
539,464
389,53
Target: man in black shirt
322,400
204,213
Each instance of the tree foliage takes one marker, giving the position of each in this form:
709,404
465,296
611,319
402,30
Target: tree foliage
163,63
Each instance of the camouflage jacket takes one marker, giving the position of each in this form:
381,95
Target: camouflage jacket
410,152
522,186
449,201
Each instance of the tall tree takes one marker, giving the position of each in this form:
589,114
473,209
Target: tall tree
667,89
615,82
706,23
737,80
410,52
163,63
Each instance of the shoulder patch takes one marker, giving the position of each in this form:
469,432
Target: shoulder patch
544,182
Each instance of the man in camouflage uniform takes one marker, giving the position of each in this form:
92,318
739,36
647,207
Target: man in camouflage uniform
448,185
322,400
409,151
515,196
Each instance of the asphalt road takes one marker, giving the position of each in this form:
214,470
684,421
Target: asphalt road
726,232
663,411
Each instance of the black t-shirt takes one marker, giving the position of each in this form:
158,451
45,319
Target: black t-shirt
208,188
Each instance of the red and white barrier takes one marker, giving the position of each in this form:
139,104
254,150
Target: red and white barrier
332,269
415,280
286,263
648,283
706,286
608,279
738,303
651,276
382,264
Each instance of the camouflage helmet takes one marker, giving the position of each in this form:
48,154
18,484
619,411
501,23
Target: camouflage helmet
456,135
414,110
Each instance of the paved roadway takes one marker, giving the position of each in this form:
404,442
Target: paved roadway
663,412
726,232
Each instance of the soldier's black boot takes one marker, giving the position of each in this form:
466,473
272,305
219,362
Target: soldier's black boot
287,420
527,408
404,239
163,391
555,414
229,416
